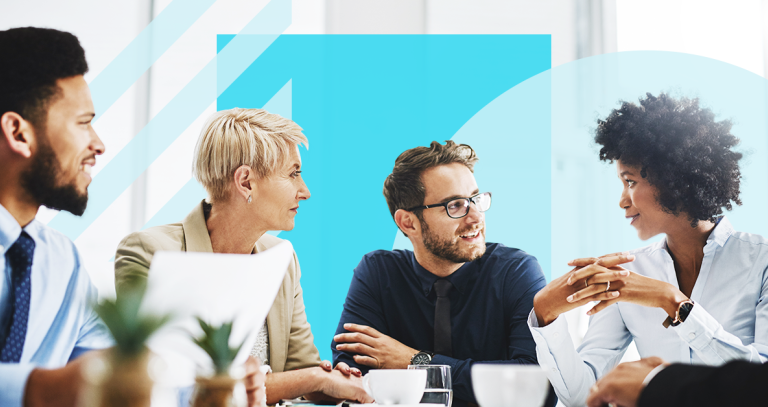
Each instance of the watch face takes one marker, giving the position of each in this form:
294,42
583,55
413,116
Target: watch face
421,359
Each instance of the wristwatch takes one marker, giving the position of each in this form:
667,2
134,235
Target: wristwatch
683,310
422,358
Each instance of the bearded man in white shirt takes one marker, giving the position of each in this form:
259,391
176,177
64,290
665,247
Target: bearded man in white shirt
47,149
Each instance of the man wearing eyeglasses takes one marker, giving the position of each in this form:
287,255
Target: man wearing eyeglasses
455,299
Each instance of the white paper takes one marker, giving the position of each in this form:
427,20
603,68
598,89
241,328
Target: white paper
218,288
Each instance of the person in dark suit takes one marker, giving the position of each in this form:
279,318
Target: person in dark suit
652,382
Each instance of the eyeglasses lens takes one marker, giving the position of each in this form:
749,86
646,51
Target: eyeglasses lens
483,202
458,208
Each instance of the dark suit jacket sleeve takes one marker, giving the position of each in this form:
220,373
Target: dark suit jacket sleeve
363,307
520,286
734,384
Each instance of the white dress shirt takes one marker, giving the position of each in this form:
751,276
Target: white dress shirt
729,319
61,323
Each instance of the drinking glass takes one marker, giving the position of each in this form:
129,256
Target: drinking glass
439,388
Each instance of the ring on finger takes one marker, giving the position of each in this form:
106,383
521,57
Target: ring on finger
586,282
608,286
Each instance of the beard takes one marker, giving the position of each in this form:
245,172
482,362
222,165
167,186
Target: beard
446,248
41,181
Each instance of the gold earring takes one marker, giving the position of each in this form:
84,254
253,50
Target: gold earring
249,199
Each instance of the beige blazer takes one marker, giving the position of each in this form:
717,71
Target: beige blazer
291,345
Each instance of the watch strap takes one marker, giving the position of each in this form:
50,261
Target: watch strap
683,310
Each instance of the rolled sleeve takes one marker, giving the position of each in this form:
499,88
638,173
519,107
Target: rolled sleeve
713,344
13,381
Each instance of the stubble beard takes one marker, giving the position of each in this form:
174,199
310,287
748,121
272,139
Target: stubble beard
41,182
446,248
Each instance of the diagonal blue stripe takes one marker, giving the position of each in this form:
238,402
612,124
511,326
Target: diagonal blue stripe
179,205
175,117
144,50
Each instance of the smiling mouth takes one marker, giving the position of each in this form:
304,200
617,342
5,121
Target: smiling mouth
471,235
86,168
633,218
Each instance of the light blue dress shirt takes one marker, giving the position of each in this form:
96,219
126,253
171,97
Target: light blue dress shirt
61,324
729,319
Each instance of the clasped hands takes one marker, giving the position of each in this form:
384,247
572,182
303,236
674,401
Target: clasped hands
604,280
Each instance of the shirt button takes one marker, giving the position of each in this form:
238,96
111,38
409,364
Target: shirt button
556,335
692,335
554,370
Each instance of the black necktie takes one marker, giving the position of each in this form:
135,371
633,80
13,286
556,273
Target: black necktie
443,344
19,256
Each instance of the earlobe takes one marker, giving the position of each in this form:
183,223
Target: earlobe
17,133
406,221
244,184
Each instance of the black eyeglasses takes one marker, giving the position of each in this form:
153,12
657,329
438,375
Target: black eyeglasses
459,207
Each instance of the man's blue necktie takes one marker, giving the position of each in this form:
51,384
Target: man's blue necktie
19,256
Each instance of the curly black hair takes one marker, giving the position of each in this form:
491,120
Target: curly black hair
680,149
35,58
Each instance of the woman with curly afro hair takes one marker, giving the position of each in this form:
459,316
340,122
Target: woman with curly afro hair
696,296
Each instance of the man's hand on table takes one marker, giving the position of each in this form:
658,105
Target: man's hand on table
374,349
49,387
623,385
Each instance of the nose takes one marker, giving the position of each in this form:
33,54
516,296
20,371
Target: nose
625,201
97,146
474,215
303,192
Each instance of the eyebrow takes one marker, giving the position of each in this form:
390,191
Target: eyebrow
623,173
452,197
89,114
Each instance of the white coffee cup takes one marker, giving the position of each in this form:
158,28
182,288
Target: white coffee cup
395,386
509,385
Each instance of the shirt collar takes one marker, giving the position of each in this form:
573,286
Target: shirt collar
459,278
720,234
9,230
722,231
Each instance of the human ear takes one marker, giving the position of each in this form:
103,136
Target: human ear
17,133
245,183
407,222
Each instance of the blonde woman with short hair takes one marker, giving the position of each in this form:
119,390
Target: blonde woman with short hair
248,161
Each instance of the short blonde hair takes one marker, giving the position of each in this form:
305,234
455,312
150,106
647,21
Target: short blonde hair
235,137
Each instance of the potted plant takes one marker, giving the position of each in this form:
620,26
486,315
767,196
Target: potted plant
120,377
217,390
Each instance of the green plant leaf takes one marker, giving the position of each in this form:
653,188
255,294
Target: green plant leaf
129,329
215,342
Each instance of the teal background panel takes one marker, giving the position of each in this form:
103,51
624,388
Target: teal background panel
364,99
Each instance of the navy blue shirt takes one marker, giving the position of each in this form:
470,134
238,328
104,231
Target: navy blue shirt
490,303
